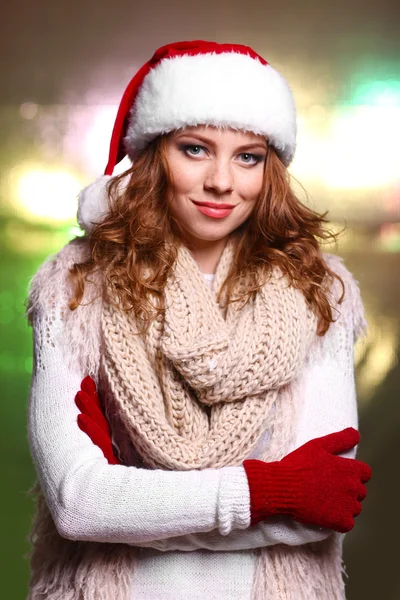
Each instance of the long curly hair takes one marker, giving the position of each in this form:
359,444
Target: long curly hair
135,245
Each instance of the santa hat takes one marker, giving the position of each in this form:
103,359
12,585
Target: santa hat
196,83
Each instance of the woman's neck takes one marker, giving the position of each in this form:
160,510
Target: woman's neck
207,254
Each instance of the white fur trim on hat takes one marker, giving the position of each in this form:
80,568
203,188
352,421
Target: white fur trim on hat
93,203
226,90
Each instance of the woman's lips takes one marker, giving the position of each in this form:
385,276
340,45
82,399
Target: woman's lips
211,211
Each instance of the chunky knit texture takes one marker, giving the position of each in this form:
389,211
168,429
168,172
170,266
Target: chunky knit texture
60,566
310,484
196,390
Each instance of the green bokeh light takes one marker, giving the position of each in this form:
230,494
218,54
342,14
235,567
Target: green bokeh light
378,93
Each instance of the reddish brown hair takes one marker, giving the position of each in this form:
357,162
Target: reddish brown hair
134,247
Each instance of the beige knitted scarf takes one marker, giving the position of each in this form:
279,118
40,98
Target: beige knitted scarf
197,391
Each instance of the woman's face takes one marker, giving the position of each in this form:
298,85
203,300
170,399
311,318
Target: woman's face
219,166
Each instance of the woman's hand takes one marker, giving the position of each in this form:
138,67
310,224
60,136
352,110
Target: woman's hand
92,420
311,484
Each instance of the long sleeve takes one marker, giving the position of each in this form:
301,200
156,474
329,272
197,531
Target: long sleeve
92,500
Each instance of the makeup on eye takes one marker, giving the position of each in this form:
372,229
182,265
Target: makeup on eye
257,158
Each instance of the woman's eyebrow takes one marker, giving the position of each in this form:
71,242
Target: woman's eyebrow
212,143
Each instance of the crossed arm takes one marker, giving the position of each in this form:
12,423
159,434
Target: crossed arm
168,510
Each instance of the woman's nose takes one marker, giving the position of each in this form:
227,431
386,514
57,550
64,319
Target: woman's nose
219,177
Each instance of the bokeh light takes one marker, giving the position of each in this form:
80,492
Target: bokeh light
362,149
356,149
378,93
47,195
87,136
96,136
389,237
28,110
378,356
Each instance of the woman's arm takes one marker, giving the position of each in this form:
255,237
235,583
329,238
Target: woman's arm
92,500
326,387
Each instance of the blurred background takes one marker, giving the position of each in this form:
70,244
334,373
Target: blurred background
64,67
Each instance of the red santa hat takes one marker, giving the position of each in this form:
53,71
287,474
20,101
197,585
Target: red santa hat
196,83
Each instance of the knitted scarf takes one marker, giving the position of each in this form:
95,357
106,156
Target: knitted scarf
197,391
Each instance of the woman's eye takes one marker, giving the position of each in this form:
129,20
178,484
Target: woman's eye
251,159
192,149
247,157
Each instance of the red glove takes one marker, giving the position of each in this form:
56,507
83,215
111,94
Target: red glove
92,420
310,484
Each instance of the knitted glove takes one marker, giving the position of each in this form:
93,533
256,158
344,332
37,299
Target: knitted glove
92,420
310,484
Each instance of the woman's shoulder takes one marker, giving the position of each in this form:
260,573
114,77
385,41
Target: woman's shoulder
352,310
74,332
77,250
51,286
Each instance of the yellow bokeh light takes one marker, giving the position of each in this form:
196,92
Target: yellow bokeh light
48,195
355,149
361,150
377,356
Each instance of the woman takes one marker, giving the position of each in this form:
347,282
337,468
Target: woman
218,460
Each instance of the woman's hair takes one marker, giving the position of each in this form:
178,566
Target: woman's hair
134,247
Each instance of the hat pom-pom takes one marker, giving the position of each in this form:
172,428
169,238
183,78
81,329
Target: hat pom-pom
93,203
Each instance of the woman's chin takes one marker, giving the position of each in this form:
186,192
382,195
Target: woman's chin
211,235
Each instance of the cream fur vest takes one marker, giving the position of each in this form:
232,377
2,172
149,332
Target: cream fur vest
158,387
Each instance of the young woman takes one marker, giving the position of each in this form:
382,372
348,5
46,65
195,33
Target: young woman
193,417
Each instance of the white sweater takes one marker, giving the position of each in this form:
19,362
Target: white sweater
193,527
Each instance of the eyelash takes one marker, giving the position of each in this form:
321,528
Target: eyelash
257,157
